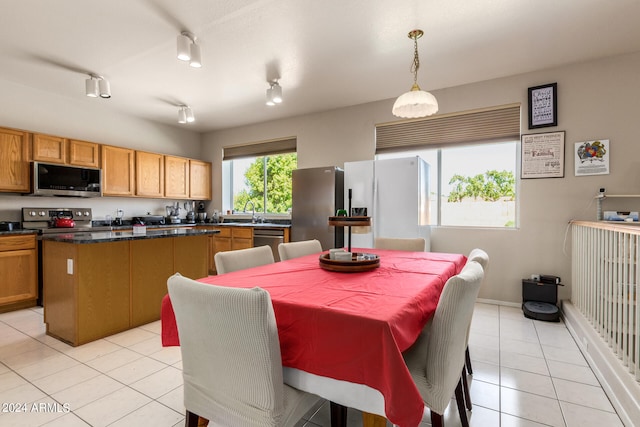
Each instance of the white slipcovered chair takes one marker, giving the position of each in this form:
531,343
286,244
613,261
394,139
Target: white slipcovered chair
417,244
297,249
231,361
229,261
438,356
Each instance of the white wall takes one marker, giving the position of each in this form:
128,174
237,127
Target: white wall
596,100
87,119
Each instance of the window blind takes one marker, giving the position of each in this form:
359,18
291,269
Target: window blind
257,149
490,124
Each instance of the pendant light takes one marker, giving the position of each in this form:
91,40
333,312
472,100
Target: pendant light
97,86
416,102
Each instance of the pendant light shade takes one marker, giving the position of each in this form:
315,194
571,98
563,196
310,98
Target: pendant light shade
416,102
189,114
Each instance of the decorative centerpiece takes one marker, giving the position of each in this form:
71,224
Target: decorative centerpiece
347,261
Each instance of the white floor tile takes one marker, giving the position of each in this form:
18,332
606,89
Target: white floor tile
580,416
22,394
88,391
527,381
521,347
174,399
159,383
112,407
485,354
524,362
92,350
483,417
113,360
168,355
131,337
9,380
531,407
147,347
67,420
65,378
155,327
486,372
49,366
152,414
486,395
573,356
507,420
582,394
136,370
34,414
567,371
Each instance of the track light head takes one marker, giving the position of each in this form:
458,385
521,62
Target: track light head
188,50
91,87
185,114
105,88
274,93
184,41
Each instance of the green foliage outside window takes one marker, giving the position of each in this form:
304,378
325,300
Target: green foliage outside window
490,186
277,184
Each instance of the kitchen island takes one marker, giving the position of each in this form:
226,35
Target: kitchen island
98,284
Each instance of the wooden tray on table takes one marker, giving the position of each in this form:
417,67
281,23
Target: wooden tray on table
370,262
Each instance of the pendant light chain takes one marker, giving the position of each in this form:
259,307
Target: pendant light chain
416,61
415,65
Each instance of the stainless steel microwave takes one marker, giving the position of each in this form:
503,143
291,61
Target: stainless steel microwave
63,180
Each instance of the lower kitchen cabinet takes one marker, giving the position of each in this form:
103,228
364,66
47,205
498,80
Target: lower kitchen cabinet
19,272
95,290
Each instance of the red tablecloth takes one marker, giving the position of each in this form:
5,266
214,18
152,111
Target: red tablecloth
349,326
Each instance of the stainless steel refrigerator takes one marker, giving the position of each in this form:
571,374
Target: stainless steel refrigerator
316,195
395,194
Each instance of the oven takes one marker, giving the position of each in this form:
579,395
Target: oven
51,221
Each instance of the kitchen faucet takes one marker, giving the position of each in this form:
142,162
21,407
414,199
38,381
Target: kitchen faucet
253,211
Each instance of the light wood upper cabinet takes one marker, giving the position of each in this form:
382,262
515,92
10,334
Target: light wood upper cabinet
149,174
14,161
118,171
200,180
50,149
83,153
176,177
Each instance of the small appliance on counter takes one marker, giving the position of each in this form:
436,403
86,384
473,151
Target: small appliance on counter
173,213
9,226
149,220
201,215
190,207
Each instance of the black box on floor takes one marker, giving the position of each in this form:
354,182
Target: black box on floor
538,291
539,300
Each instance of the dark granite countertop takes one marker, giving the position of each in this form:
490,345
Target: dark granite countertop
116,236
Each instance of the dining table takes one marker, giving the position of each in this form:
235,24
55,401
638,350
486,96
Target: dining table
342,334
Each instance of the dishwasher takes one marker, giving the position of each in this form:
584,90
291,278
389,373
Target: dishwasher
271,237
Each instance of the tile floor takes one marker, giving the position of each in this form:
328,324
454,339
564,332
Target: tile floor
526,373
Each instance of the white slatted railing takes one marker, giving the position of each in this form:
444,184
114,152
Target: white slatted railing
606,273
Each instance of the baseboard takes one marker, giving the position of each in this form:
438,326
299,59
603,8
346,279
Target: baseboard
498,302
619,385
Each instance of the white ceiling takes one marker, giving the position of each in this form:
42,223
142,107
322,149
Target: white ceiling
327,53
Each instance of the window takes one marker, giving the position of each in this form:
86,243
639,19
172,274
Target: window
472,158
260,182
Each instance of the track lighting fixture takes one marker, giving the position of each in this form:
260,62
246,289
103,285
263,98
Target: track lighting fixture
188,50
274,93
97,86
185,114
